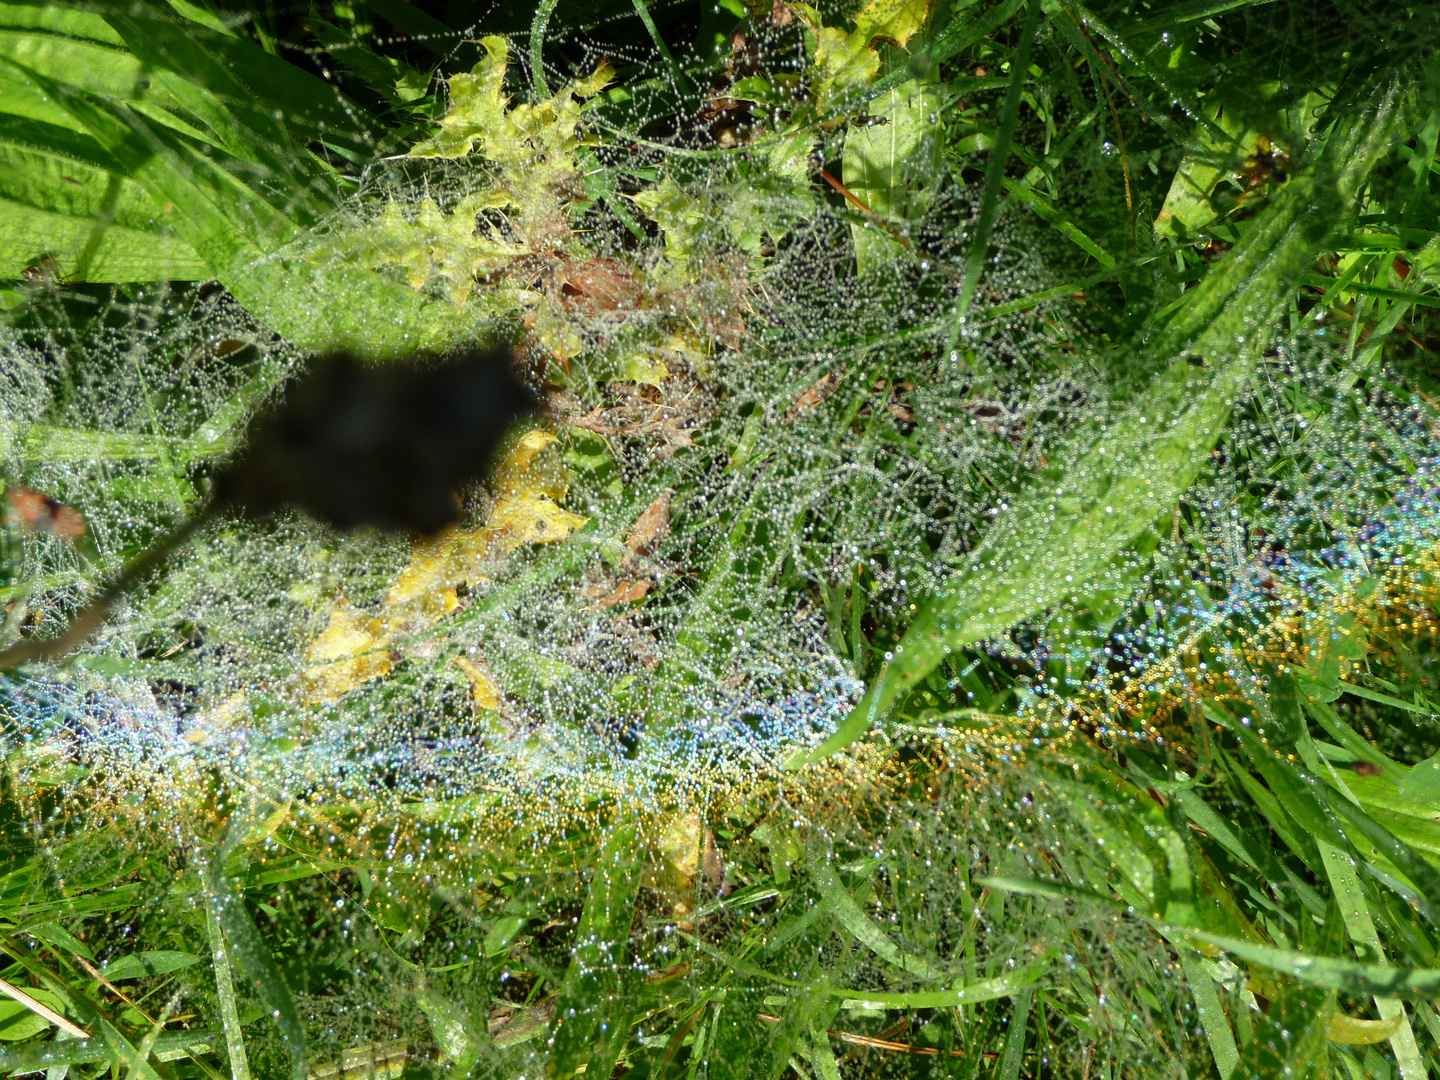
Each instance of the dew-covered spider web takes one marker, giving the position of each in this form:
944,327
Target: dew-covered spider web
802,375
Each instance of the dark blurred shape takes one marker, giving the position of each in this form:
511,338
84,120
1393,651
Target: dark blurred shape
386,445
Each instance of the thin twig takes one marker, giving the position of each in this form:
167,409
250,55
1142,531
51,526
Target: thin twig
10,990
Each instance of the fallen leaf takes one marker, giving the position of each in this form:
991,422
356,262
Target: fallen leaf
651,527
32,511
354,648
234,710
483,692
819,391
624,592
599,285
529,470
427,588
348,653
529,519
677,861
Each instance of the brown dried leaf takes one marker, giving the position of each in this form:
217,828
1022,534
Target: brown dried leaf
599,285
32,511
651,527
819,391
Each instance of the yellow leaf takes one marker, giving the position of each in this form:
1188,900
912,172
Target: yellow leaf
891,20
347,653
529,519
477,105
1355,1032
531,467
483,691
234,710
593,83
427,587
843,62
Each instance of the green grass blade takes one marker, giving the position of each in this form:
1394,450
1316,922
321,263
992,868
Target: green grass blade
244,943
1063,531
1015,1041
1420,872
1212,1013
225,991
1345,883
1347,976
995,173
596,1001
37,1057
543,11
848,914
966,994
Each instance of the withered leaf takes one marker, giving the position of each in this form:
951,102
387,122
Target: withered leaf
819,391
651,527
349,651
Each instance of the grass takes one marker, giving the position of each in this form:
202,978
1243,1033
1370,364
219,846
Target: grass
967,607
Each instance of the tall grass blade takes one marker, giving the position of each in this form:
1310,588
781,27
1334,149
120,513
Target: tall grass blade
1063,531
1361,927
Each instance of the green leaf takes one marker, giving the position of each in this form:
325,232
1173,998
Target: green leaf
60,938
63,197
140,965
1290,1039
848,914
1111,483
892,166
19,1022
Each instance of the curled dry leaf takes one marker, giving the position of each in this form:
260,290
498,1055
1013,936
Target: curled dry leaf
32,511
651,527
819,391
624,592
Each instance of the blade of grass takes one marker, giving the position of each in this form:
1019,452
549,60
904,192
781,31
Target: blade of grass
37,1057
848,914
1065,529
541,22
1353,909
967,994
1346,976
243,941
595,1006
1015,1040
994,175
1212,1013
225,990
